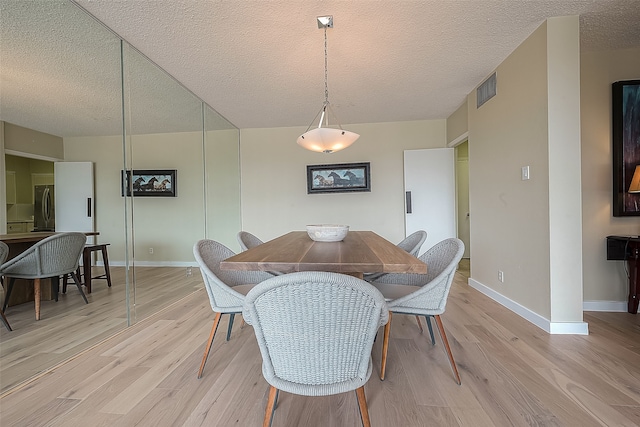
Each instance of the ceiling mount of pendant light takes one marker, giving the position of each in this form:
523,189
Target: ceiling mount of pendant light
323,138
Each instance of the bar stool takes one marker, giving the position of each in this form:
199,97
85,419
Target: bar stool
86,275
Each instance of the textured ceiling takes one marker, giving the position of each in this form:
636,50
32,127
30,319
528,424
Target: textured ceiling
260,63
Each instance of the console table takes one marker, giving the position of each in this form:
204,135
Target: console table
627,248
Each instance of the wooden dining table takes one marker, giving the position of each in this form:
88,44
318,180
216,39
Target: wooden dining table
360,252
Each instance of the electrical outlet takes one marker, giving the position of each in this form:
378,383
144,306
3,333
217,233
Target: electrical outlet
525,173
150,250
501,276
189,272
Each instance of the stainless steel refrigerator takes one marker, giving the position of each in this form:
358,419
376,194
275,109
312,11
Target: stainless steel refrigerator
44,218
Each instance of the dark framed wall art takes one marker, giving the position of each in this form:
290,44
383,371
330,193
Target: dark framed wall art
149,182
626,145
338,178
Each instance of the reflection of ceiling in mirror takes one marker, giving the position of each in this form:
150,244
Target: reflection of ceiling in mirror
60,74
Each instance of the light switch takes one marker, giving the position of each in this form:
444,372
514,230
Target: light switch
525,173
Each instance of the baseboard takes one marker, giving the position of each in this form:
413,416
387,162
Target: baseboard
152,264
571,328
611,306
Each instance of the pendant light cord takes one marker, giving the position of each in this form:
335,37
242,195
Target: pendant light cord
326,86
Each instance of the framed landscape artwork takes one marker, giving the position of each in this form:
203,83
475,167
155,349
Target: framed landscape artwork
626,145
149,182
338,178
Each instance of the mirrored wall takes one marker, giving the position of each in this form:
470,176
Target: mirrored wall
71,82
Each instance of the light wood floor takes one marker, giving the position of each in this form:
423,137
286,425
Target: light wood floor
513,374
70,326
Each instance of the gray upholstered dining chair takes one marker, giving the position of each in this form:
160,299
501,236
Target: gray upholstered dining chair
55,256
226,288
315,331
423,294
4,253
248,241
411,244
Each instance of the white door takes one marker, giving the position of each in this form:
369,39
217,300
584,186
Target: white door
430,192
74,201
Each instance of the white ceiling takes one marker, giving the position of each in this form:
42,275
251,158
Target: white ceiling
260,63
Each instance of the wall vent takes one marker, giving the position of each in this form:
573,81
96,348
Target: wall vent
486,90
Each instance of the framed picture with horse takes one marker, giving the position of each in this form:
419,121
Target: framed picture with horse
149,182
338,178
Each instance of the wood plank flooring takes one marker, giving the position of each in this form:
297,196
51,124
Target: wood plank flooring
513,374
70,326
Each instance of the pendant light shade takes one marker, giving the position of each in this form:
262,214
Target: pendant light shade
325,139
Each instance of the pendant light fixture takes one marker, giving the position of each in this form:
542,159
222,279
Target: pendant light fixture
325,139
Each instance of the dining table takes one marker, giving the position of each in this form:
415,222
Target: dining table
18,243
358,253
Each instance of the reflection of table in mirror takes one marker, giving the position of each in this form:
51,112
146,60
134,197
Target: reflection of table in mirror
627,248
18,243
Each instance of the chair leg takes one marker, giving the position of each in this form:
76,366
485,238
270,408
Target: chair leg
362,404
214,328
8,294
271,406
433,338
447,348
79,285
385,347
419,324
55,286
66,277
5,321
231,316
36,296
86,269
105,261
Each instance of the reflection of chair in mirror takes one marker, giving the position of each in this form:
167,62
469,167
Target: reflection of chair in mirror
315,331
411,244
226,288
4,253
423,294
55,256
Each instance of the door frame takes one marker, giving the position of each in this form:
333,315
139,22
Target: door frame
457,141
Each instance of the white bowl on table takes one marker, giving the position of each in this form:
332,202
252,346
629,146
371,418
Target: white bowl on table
327,232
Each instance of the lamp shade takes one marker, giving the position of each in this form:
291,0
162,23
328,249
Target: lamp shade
635,181
327,140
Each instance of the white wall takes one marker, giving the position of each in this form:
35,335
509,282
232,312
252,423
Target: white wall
274,188
169,225
565,201
222,165
605,282
526,228
510,221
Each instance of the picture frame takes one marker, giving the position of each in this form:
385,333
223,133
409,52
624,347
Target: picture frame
338,178
626,145
149,182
